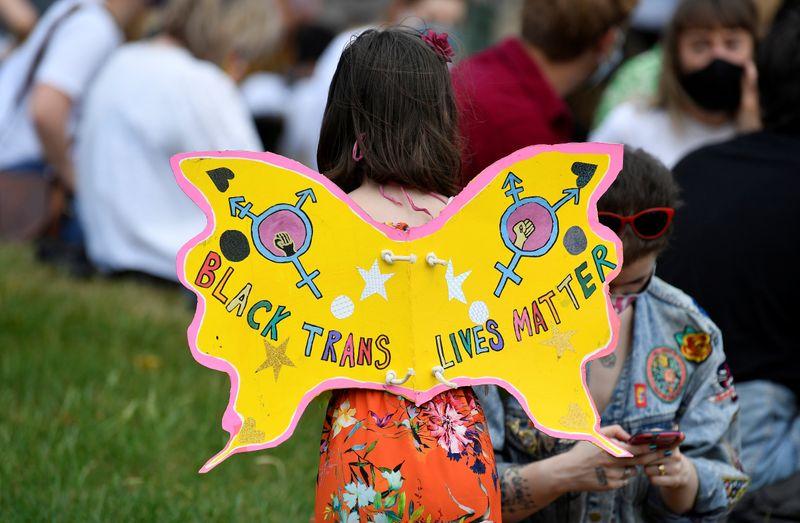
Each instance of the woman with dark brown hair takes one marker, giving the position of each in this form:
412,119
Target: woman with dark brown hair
389,138
708,86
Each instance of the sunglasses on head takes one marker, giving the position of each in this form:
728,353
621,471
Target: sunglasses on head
647,225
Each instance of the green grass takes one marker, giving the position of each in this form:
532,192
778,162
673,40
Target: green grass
105,416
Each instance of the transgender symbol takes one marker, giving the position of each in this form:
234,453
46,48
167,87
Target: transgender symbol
282,233
529,227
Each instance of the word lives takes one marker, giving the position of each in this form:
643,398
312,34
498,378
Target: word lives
469,342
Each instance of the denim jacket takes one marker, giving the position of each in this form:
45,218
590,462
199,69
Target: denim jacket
675,375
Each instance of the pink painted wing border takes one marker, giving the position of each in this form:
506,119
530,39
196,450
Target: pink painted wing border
231,420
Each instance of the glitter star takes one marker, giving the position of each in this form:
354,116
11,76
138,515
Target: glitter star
454,283
575,417
276,358
560,341
374,281
249,434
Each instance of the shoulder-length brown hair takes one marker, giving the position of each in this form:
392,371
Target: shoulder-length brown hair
697,14
392,94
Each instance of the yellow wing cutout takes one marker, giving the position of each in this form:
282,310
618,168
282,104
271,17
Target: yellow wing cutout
299,291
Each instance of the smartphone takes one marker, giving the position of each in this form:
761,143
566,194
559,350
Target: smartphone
662,439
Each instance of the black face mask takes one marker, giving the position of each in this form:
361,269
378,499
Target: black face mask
717,87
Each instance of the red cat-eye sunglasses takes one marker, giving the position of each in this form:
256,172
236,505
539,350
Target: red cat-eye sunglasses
648,224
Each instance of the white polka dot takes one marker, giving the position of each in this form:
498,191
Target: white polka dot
342,307
478,312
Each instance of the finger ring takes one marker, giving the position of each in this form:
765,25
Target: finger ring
601,476
662,470
629,471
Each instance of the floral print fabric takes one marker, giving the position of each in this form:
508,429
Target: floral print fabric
384,459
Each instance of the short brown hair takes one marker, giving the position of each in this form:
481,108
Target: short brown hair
643,183
565,29
212,29
698,14
393,95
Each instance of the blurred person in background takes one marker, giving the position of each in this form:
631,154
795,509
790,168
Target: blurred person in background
268,92
174,93
17,19
733,249
708,84
42,85
307,105
638,77
512,95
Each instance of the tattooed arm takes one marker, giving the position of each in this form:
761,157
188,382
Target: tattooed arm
526,489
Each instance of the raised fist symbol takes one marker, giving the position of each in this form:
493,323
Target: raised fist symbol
523,230
284,242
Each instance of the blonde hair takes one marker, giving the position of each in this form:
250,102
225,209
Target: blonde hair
564,29
214,29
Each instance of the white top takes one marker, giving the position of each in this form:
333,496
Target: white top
78,47
265,94
653,130
150,102
306,106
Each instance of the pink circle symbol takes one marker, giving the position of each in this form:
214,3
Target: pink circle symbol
283,233
542,220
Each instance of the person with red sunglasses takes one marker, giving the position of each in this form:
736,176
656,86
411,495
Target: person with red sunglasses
648,224
663,391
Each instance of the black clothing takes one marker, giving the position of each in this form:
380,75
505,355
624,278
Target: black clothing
736,250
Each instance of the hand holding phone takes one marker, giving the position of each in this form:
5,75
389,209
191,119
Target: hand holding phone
661,439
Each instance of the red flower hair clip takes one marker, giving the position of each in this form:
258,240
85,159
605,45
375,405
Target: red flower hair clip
440,44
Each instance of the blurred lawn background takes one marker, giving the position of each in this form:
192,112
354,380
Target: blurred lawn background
105,415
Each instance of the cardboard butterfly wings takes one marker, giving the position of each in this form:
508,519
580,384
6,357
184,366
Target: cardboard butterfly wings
299,291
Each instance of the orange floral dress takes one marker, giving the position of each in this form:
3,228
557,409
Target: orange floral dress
383,459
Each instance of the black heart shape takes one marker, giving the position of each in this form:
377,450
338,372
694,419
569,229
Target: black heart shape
220,177
584,172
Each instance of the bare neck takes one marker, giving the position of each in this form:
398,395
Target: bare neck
389,204
712,119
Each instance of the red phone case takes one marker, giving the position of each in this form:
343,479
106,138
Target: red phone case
661,439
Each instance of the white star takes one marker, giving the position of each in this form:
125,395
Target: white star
454,290
374,280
